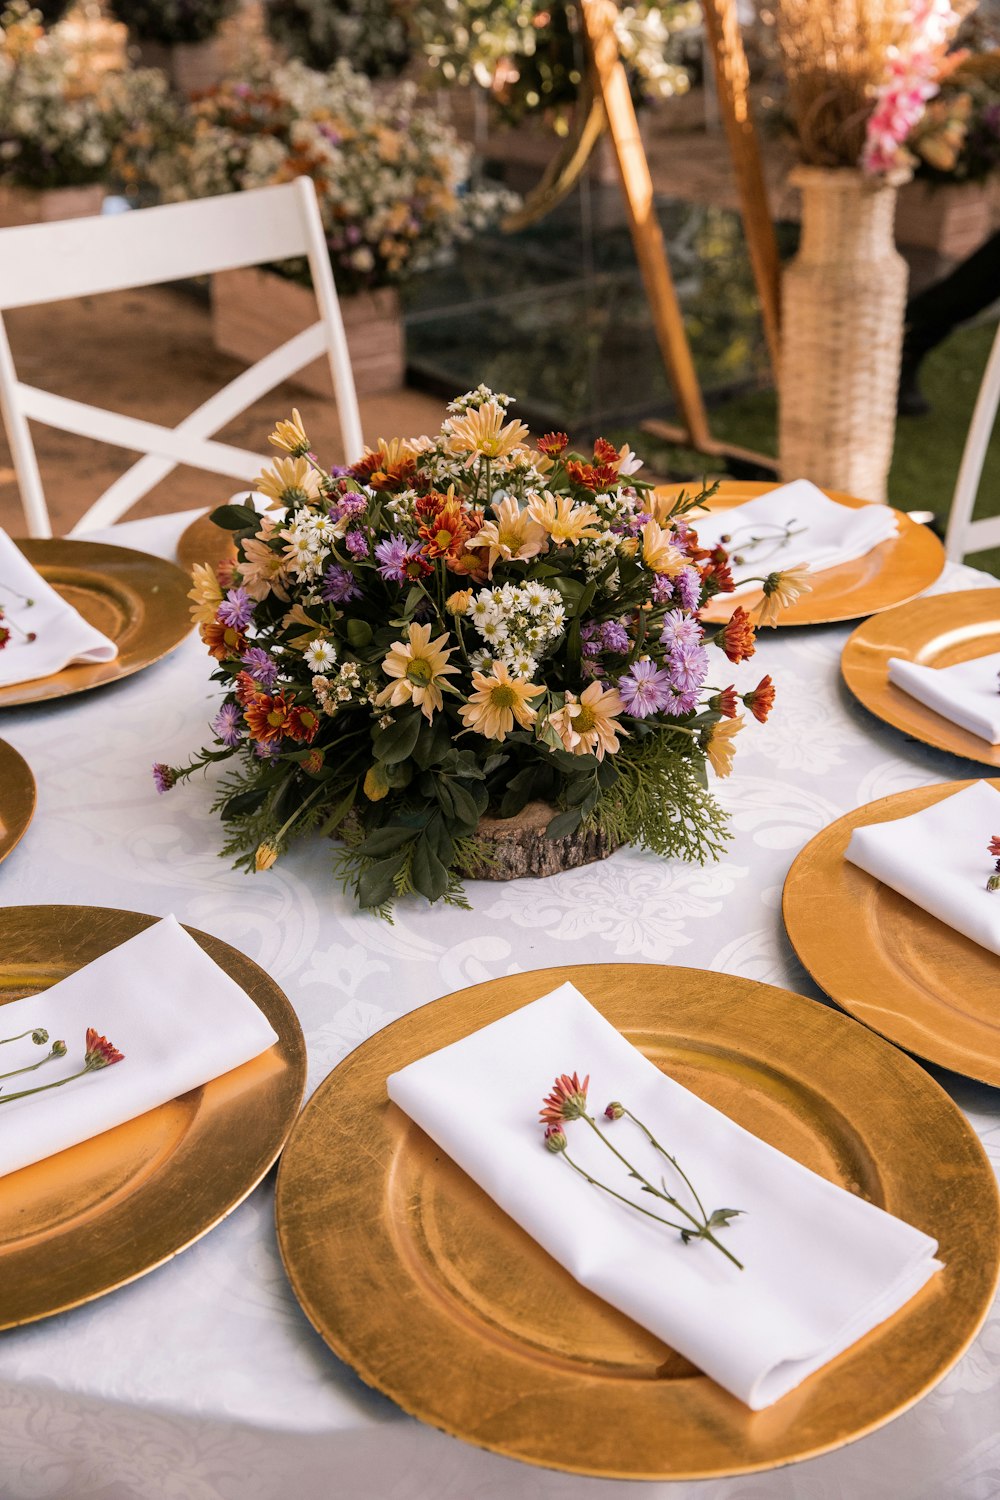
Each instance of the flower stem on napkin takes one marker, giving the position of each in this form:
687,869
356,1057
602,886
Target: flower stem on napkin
567,1102
99,1053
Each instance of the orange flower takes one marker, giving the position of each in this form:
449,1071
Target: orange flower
246,688
567,1101
391,466
267,717
223,641
553,443
995,845
587,725
591,476
447,525
717,578
605,453
302,723
99,1052
725,702
761,700
737,636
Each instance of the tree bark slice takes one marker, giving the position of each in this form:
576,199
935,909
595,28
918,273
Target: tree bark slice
516,847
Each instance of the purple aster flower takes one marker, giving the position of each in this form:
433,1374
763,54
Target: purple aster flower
687,667
262,668
339,585
687,587
356,543
350,504
680,629
590,638
614,637
679,704
236,609
228,724
645,689
164,777
393,555
269,751
662,589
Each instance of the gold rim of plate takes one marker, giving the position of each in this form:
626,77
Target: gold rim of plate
101,1214
138,601
417,1280
891,574
902,972
935,632
204,542
17,798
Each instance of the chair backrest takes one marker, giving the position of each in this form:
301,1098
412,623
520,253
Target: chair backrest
42,263
965,535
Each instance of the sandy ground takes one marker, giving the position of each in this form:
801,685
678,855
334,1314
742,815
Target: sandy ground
149,354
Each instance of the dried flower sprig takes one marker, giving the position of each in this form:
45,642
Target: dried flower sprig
993,884
58,1049
568,1102
99,1053
774,538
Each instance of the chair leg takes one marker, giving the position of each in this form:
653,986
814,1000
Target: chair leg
974,456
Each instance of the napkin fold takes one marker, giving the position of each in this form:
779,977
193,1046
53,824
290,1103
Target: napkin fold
62,635
826,534
966,693
938,858
822,1267
159,998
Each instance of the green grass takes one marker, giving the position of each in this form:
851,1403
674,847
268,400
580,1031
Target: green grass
928,449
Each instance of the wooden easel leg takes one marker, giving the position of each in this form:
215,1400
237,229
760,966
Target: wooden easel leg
611,85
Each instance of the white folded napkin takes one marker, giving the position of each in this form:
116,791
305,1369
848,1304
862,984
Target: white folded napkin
966,693
62,635
938,858
160,1000
827,534
822,1267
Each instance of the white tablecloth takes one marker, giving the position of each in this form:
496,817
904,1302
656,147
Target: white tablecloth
204,1381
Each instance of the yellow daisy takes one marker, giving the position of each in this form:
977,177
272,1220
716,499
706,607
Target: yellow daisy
781,590
481,433
206,596
720,748
514,534
420,667
497,701
587,725
291,436
659,552
290,481
561,519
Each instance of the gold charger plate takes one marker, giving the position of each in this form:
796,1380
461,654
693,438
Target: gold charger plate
138,601
105,1212
904,973
416,1279
17,798
892,573
935,632
204,542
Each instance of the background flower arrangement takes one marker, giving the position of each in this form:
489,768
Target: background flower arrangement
172,21
390,175
958,139
372,35
459,625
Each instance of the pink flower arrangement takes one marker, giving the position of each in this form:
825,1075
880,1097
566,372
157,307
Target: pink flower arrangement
913,73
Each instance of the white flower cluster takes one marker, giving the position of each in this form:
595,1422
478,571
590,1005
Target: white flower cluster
331,693
596,552
307,544
53,127
517,622
473,400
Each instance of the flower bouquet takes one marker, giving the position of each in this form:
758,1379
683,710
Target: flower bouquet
460,625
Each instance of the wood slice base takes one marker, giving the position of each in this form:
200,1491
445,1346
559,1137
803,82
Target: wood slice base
517,847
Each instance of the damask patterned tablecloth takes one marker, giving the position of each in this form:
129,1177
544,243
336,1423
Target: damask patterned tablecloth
203,1380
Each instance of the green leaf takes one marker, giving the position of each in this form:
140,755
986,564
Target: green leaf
607,773
564,823
245,802
493,763
446,802
376,886
338,812
235,518
433,743
413,598
520,790
466,805
720,1217
397,740
398,775
578,790
440,840
359,633
386,841
429,875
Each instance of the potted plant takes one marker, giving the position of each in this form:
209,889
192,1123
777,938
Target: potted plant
391,179
54,141
859,74
417,650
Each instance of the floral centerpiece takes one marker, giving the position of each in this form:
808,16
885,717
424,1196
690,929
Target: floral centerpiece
390,175
958,138
461,624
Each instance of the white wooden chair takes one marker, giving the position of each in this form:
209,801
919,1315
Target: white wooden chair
82,257
965,535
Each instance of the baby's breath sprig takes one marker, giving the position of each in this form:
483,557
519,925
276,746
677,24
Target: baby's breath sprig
568,1102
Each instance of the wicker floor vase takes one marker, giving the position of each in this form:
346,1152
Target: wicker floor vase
843,297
